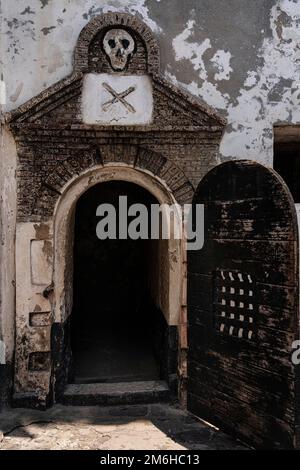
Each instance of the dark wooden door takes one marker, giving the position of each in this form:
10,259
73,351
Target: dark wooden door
243,306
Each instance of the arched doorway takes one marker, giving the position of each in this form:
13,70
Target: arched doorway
166,286
117,328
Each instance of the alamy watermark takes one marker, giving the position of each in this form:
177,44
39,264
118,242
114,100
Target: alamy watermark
158,221
296,353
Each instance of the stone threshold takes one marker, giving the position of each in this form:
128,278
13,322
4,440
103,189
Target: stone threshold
121,393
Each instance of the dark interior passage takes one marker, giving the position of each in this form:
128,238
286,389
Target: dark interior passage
114,321
287,164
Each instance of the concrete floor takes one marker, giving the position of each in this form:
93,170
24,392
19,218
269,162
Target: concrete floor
135,427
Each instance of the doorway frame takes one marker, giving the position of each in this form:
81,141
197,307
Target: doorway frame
171,302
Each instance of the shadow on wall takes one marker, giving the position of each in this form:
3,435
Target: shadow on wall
6,373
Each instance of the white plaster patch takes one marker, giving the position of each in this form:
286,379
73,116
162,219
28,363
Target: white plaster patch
221,61
253,117
213,96
291,8
263,100
117,100
2,93
41,263
2,352
56,58
251,80
192,51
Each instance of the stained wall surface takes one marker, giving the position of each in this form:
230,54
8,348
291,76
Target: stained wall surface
240,57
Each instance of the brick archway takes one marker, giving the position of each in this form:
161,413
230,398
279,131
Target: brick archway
171,281
62,234
59,151
129,155
44,248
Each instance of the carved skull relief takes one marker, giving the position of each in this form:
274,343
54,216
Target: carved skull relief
118,45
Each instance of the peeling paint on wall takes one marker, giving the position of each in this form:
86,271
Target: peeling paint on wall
240,57
192,51
221,60
273,96
270,92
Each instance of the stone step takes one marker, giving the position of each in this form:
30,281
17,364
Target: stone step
122,393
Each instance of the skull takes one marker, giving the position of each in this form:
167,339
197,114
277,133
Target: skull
118,46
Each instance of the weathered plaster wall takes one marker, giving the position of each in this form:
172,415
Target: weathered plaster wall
240,56
7,248
7,258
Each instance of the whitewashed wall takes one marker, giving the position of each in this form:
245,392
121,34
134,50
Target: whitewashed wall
240,56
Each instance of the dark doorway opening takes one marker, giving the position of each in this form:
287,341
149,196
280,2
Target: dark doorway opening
287,157
117,332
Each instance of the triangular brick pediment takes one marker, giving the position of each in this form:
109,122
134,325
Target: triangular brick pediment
185,109
60,105
48,102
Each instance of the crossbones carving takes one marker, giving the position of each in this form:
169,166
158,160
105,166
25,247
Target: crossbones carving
118,97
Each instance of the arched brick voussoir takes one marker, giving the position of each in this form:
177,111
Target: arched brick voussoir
51,188
45,202
65,170
81,160
146,159
167,171
119,153
111,19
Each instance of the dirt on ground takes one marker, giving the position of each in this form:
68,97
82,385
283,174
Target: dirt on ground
134,427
